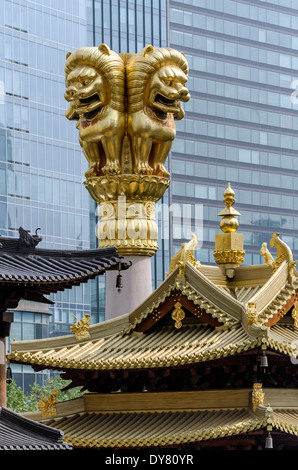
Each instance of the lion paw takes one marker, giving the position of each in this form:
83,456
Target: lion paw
94,170
111,168
144,169
160,170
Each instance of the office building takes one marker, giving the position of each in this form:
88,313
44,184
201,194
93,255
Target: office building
241,122
41,162
40,158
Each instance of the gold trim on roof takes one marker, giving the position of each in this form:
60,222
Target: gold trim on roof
159,429
126,430
159,348
163,347
170,418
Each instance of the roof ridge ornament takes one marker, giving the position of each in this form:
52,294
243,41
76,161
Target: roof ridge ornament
229,251
28,242
47,405
186,253
284,253
81,328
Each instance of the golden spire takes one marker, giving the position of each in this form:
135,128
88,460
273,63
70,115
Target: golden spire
229,223
229,251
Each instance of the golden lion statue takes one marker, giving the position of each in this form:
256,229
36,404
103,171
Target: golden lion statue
126,106
156,80
95,84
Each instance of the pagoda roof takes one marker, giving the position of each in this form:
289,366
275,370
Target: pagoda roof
216,324
144,420
41,271
20,433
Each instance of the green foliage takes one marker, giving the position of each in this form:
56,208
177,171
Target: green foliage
21,402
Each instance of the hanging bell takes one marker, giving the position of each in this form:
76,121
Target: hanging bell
119,283
269,442
8,375
264,361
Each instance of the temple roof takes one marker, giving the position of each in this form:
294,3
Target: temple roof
144,420
216,323
20,433
35,272
198,314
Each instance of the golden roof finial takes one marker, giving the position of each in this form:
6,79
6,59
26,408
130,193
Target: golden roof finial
229,251
229,223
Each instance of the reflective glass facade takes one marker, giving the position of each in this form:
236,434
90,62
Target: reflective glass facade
241,122
41,168
41,162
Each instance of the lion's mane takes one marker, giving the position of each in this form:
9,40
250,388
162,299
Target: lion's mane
142,65
107,63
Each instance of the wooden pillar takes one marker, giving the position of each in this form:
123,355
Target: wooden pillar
6,319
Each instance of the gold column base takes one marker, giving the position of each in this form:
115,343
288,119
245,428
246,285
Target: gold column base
127,211
229,251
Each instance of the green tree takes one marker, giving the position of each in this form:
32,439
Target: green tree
21,402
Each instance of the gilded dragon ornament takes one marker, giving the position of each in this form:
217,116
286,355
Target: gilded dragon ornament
125,106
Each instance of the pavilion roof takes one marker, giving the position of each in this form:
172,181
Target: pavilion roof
32,272
216,324
144,420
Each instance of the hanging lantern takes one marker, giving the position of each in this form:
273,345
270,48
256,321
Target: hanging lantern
264,361
119,282
269,442
8,375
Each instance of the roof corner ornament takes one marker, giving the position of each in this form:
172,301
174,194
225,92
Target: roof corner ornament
186,253
27,240
257,396
47,405
81,328
284,253
229,251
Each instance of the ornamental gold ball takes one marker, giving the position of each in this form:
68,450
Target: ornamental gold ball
229,224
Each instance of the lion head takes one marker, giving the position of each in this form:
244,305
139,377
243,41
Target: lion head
94,78
156,79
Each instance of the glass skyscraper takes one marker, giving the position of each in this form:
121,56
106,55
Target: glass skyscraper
41,167
241,122
41,162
